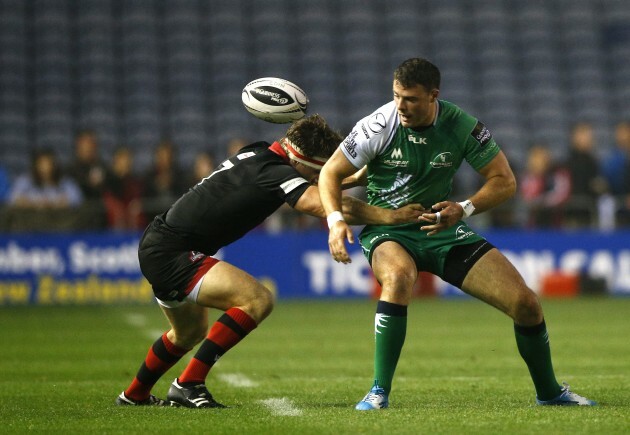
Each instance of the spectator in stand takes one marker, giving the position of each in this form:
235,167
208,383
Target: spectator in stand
123,193
586,182
616,171
45,187
165,181
545,188
615,166
87,167
203,166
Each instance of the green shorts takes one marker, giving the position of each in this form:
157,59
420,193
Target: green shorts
429,253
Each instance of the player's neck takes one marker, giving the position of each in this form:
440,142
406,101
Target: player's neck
430,120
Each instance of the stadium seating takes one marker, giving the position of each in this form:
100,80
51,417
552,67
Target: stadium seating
137,71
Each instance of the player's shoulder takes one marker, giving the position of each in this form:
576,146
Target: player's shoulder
450,112
454,118
252,149
379,123
373,132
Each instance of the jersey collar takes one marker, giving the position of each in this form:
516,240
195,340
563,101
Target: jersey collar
277,148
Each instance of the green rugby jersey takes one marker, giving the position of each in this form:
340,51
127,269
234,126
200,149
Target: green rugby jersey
406,165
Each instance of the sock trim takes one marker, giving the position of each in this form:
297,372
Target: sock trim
243,320
529,331
391,309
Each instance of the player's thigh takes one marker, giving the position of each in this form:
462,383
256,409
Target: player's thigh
395,270
189,324
494,280
225,286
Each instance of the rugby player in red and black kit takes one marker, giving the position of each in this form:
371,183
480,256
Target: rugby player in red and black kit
176,254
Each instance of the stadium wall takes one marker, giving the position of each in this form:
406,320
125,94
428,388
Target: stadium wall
102,268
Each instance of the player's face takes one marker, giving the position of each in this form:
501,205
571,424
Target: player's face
415,105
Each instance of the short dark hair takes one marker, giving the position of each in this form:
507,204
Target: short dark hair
314,136
418,71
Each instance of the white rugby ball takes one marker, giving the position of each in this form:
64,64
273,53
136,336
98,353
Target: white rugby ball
275,100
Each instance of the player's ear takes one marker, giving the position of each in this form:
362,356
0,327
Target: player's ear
434,94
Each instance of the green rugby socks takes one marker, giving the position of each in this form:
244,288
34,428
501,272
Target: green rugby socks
533,345
390,328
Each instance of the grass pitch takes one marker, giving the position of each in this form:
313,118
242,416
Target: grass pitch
306,366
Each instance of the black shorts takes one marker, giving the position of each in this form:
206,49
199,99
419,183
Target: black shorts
461,258
172,272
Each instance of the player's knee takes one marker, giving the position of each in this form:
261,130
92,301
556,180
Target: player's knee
261,304
267,301
527,310
192,336
398,279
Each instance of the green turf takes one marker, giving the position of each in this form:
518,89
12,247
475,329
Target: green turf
62,367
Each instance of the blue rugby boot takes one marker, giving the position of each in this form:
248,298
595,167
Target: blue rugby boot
376,398
567,398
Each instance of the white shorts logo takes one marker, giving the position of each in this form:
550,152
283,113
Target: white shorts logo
461,233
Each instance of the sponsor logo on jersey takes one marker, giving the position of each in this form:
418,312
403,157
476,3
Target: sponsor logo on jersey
442,160
350,144
365,132
396,154
462,233
417,140
396,159
377,123
290,185
398,193
481,134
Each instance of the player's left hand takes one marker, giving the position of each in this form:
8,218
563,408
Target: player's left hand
443,215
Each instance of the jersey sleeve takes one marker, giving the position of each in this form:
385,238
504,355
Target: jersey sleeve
480,146
370,136
284,181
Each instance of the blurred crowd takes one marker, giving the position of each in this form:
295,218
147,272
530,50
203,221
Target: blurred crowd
580,189
93,193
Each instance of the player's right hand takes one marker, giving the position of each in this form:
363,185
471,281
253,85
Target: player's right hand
338,234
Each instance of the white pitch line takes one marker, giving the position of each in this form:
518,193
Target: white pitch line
282,406
140,321
237,380
137,320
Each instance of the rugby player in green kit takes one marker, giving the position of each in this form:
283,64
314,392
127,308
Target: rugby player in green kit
409,151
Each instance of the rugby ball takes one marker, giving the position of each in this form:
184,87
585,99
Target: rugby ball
275,100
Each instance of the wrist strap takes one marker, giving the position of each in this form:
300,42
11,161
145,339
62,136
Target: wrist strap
333,217
468,207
